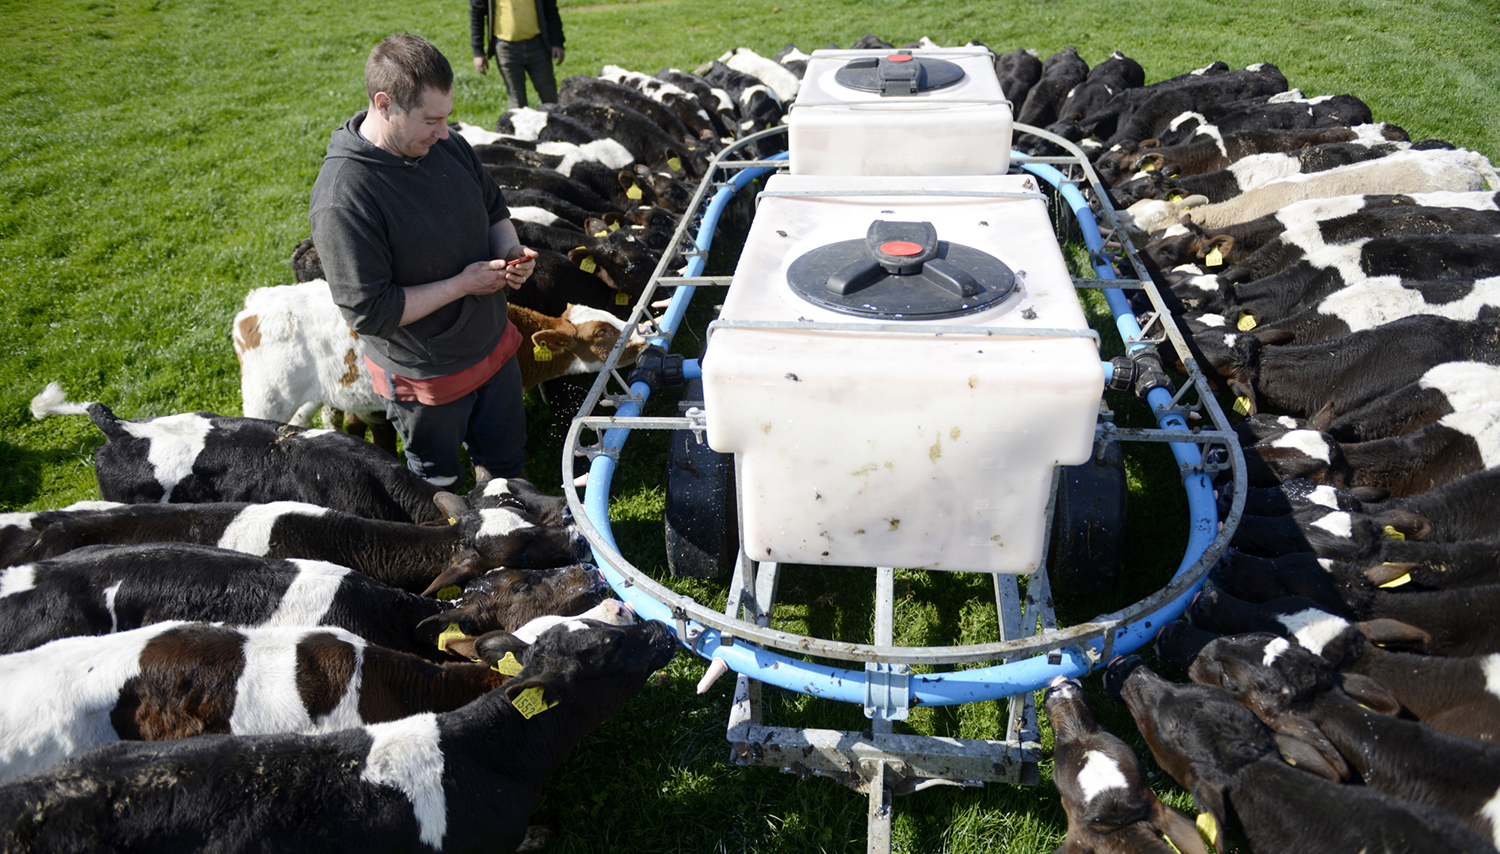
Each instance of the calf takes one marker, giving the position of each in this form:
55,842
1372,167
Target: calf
1145,112
1456,445
582,87
1442,622
495,492
1110,808
176,680
199,456
1422,565
778,77
757,106
1446,388
1208,155
621,261
102,589
1451,695
1331,533
1296,693
1061,72
1239,774
1401,173
1284,111
406,556
1248,172
1347,373
641,137
1018,71
546,126
713,99
687,106
456,781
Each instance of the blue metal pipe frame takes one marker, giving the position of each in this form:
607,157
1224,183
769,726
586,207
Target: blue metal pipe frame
947,688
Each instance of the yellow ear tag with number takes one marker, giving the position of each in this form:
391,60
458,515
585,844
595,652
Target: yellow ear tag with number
541,353
1397,582
1245,323
507,666
1208,827
674,164
633,192
1214,258
531,703
587,265
452,633
1242,405
452,591
622,298
1394,534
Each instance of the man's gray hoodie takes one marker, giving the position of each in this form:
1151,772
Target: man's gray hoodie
382,223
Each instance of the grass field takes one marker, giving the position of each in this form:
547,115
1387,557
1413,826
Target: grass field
155,165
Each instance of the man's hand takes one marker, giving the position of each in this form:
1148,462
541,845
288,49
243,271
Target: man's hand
481,63
520,263
558,54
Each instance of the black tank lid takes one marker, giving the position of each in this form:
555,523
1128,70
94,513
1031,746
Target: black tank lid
898,73
901,271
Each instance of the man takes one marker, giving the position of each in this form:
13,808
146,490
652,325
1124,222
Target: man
525,37
418,249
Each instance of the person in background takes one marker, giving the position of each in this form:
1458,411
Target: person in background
419,250
525,37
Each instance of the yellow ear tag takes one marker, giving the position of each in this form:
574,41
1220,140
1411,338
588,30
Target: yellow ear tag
507,666
587,265
531,703
1245,323
1175,198
452,591
604,233
674,164
541,353
633,192
1170,844
1215,258
614,226
1398,581
452,633
622,298
1242,405
452,520
1394,534
1208,827
1149,167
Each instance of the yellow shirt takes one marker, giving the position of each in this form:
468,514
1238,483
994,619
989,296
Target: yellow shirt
515,20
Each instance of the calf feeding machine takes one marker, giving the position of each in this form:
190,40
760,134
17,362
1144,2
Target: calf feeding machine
904,377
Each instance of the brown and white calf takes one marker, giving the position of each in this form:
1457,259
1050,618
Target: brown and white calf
460,781
180,679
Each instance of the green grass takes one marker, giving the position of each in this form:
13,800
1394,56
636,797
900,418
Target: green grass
155,167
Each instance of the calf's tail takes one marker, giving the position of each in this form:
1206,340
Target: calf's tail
52,401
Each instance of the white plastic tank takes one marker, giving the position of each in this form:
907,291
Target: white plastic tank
908,418
938,111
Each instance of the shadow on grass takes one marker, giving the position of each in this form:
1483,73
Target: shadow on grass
22,468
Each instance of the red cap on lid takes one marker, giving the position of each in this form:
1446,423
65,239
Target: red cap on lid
900,57
901,248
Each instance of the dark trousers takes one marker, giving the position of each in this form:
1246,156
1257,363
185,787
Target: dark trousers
490,421
518,59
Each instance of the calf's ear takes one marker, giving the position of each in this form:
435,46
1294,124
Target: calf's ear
1387,632
1370,694
1211,811
451,505
1176,828
1300,754
1411,526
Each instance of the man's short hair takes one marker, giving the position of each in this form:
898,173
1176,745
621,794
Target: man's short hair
404,66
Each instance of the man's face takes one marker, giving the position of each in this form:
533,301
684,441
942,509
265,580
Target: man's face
412,133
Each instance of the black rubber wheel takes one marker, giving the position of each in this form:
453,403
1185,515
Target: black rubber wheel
1088,525
700,519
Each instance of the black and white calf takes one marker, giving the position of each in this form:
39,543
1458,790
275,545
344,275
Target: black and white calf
98,590
1110,807
1296,693
457,781
179,679
416,558
200,456
1240,775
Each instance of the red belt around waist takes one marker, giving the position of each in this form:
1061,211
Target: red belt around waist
440,390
